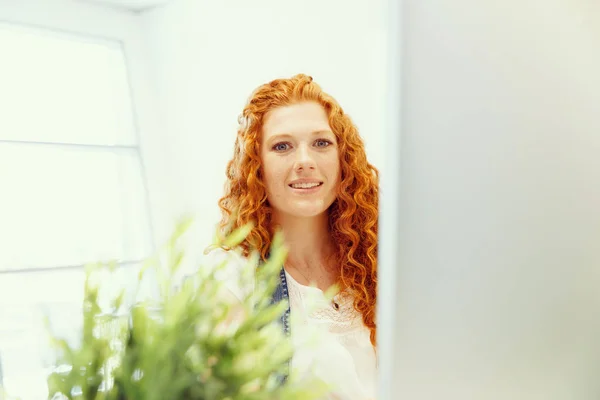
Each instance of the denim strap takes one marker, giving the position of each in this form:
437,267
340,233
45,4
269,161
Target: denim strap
281,294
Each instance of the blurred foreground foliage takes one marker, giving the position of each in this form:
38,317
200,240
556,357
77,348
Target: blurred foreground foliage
184,343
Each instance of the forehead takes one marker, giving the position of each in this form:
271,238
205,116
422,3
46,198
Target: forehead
293,119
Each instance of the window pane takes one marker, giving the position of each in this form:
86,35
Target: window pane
63,205
63,88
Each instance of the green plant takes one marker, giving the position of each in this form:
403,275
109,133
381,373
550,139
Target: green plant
185,345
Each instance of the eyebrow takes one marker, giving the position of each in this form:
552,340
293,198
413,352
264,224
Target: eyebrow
322,132
314,133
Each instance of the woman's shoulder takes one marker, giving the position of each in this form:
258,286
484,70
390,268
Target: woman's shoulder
232,268
216,256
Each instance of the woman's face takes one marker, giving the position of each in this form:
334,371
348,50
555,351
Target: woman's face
301,165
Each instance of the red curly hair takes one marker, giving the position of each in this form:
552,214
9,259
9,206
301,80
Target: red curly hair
353,217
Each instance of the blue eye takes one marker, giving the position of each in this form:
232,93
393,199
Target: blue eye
281,146
322,143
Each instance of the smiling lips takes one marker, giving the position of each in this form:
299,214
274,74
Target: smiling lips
305,184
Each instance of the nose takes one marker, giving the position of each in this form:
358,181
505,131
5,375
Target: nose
304,159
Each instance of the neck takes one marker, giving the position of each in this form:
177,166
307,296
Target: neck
309,249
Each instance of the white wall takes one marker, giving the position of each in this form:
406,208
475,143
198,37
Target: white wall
498,264
209,56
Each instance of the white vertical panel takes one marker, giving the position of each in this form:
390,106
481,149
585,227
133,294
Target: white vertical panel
498,266
389,204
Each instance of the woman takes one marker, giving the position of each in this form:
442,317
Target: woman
299,165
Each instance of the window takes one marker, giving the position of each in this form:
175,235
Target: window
69,157
73,187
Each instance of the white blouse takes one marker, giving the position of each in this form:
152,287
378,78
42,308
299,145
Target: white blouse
343,355
332,343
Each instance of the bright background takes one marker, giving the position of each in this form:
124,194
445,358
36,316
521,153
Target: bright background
118,117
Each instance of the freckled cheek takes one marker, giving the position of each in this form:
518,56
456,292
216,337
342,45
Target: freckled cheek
275,180
271,170
333,170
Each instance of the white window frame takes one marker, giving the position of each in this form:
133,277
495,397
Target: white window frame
126,27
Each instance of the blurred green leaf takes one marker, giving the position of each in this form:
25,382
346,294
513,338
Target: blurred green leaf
238,236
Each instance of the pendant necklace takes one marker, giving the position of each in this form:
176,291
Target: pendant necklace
334,304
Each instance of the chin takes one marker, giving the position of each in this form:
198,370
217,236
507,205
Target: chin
307,210
302,208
